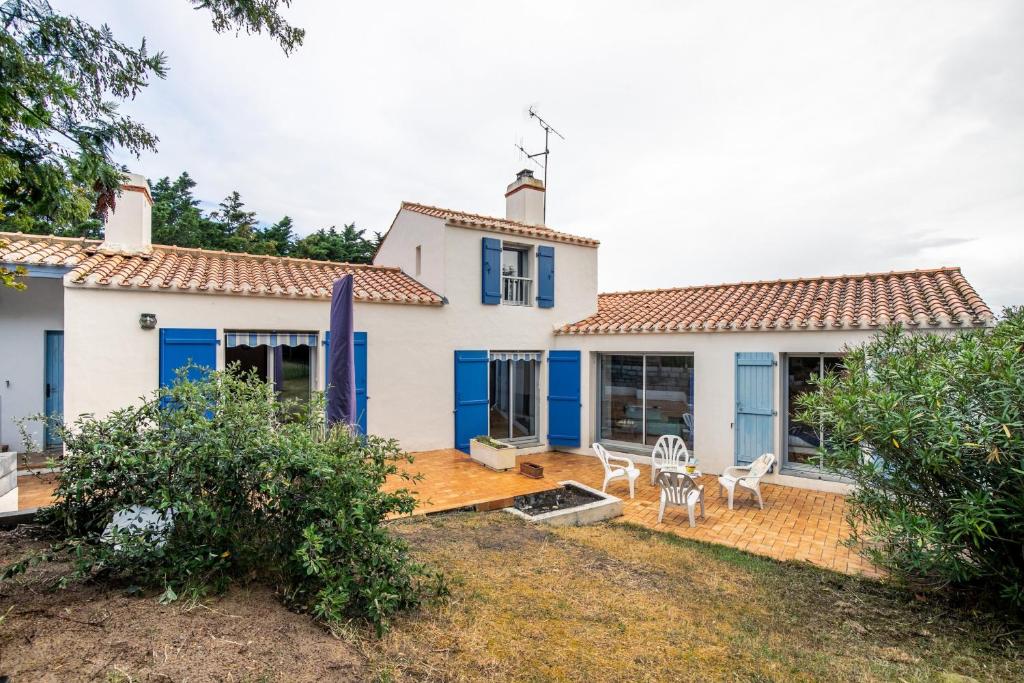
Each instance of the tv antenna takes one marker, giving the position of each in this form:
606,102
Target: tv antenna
548,130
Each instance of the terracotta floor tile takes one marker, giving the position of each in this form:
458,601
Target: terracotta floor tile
795,523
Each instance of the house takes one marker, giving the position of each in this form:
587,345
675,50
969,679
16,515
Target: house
466,325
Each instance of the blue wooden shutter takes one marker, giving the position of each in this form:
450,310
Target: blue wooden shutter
471,398
359,341
327,360
54,376
490,272
546,277
564,398
755,401
182,346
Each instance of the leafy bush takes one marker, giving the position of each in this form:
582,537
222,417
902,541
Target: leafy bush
256,494
930,429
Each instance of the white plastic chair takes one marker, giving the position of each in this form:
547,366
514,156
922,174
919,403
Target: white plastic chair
679,488
669,451
749,477
611,471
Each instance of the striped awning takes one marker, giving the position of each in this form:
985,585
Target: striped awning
272,339
516,355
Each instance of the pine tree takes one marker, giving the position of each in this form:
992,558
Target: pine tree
60,124
348,245
177,218
280,235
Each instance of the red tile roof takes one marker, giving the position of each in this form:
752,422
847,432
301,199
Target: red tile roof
472,220
918,298
202,270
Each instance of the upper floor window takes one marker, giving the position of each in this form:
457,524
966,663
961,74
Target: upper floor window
516,279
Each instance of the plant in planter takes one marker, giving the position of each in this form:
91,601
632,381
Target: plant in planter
492,453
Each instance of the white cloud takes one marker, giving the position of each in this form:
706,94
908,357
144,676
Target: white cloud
706,141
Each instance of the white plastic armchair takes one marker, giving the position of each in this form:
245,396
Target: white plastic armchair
749,477
669,452
679,488
629,471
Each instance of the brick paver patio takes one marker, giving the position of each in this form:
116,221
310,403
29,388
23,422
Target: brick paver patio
796,524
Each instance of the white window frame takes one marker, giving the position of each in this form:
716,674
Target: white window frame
526,282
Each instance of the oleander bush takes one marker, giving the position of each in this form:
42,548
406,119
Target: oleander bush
930,428
258,490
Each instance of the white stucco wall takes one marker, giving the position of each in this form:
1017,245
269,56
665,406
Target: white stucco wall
111,361
575,287
408,231
714,383
25,317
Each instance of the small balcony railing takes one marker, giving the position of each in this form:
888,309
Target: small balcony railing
515,291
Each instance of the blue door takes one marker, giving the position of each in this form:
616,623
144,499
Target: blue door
564,398
755,406
359,351
180,347
471,404
54,390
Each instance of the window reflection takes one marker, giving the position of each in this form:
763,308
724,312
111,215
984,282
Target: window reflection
803,440
644,397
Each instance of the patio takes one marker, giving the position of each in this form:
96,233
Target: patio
796,524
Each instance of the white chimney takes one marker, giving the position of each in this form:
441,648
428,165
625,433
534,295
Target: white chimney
129,226
524,199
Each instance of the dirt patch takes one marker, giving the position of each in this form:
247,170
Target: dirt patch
91,633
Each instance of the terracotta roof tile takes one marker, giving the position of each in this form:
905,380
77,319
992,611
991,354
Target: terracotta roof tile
499,224
201,270
919,298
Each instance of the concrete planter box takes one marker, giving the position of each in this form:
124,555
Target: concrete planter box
8,482
607,508
494,458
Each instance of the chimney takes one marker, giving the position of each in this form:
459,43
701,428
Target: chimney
129,226
524,199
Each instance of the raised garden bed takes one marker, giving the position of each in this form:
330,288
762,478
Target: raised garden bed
571,504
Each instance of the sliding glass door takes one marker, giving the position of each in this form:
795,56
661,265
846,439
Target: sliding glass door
644,397
513,397
803,440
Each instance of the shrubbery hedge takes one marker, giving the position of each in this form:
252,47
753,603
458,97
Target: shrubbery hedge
257,493
930,428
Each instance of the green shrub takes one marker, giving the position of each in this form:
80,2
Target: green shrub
930,429
256,492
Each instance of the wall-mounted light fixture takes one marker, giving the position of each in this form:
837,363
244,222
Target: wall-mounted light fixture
147,321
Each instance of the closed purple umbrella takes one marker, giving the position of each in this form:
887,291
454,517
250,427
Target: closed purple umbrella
341,390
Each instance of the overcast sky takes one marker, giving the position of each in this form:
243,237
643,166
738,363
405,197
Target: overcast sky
706,142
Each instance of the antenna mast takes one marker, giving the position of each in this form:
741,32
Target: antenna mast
548,130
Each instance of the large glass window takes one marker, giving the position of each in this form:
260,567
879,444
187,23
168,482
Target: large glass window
646,396
294,367
513,399
289,368
803,440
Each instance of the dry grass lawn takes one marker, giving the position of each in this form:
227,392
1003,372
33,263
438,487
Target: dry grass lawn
529,603
618,602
